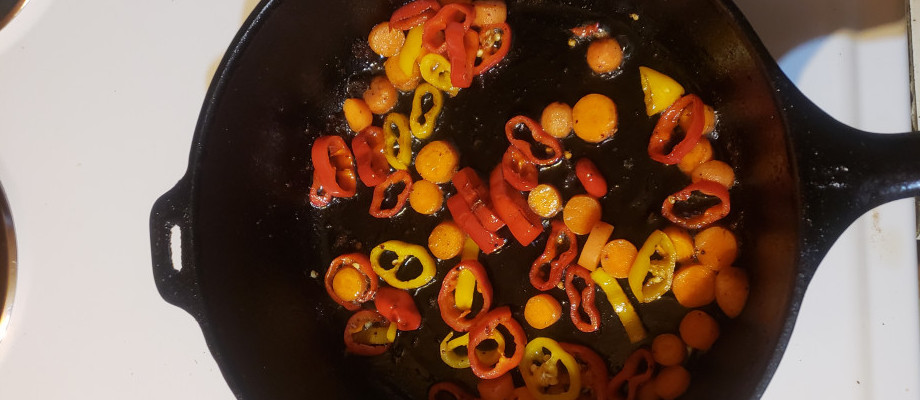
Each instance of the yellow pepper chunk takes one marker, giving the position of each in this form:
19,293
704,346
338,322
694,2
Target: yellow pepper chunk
621,305
466,285
660,90
435,69
411,49
376,335
348,283
470,250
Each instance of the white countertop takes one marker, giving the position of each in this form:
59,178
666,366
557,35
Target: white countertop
98,102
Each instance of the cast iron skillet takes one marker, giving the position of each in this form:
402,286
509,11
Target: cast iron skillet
250,240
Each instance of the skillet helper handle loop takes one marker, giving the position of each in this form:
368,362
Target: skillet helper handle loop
845,173
171,243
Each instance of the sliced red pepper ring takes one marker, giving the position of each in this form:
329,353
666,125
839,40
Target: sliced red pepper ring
637,370
563,237
542,371
483,330
551,147
494,43
593,370
413,14
461,51
591,178
583,299
476,195
512,207
380,194
368,146
438,390
368,333
333,165
357,283
705,218
455,298
518,170
669,120
319,196
434,37
460,211
398,307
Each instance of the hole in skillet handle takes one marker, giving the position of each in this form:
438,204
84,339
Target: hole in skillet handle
173,268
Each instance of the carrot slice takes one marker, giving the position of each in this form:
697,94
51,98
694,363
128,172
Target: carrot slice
542,310
668,349
683,243
446,240
617,257
716,247
672,382
591,252
716,171
732,289
694,286
699,330
581,213
426,197
699,154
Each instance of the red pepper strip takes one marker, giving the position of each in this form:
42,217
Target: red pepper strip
591,178
334,165
461,52
593,369
476,195
434,38
553,147
486,328
707,217
359,322
586,30
557,263
669,120
487,39
583,300
381,190
447,301
361,263
512,207
413,14
487,241
631,376
398,307
319,196
458,393
368,147
518,171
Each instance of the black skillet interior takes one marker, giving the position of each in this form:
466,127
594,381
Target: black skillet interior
250,239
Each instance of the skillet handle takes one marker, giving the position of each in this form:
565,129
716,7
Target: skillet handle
175,274
844,172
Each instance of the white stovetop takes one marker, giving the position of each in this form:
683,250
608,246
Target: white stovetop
98,102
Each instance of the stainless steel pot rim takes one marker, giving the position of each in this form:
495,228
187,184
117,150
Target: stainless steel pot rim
8,264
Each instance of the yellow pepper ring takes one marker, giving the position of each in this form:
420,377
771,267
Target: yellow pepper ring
423,130
396,134
541,371
662,270
411,49
435,69
461,360
403,252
